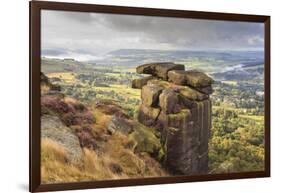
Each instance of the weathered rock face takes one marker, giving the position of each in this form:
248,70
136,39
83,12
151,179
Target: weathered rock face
177,103
159,69
191,78
150,95
148,115
168,101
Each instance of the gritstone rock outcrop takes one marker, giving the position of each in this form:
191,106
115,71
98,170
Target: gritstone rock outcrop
177,103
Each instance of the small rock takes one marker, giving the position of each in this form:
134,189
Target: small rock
140,82
44,79
110,129
146,69
55,87
119,124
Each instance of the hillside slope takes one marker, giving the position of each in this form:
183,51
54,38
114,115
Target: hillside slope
94,141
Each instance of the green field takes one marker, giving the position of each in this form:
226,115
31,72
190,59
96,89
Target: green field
237,135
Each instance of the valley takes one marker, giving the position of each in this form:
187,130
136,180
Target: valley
237,134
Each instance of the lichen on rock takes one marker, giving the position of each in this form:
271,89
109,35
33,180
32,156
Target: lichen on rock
140,82
160,69
150,95
147,141
148,115
191,78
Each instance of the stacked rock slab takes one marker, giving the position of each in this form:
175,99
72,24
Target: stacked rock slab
177,103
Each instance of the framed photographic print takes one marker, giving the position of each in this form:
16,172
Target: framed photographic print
123,96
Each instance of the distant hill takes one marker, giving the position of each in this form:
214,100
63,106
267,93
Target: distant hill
222,65
189,53
49,65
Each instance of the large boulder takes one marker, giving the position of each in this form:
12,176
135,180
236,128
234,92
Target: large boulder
159,69
180,110
198,79
162,70
177,77
140,82
191,78
52,88
44,79
150,95
53,128
146,69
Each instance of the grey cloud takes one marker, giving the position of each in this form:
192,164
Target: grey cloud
83,51
87,33
185,31
53,52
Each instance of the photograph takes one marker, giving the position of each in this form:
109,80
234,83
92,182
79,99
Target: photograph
140,96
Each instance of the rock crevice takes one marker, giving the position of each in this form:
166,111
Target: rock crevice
177,103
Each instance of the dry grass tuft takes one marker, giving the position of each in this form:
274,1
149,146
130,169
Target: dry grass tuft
53,151
99,129
55,168
121,151
113,158
109,107
98,165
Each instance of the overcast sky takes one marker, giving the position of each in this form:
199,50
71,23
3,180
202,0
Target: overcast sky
85,36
